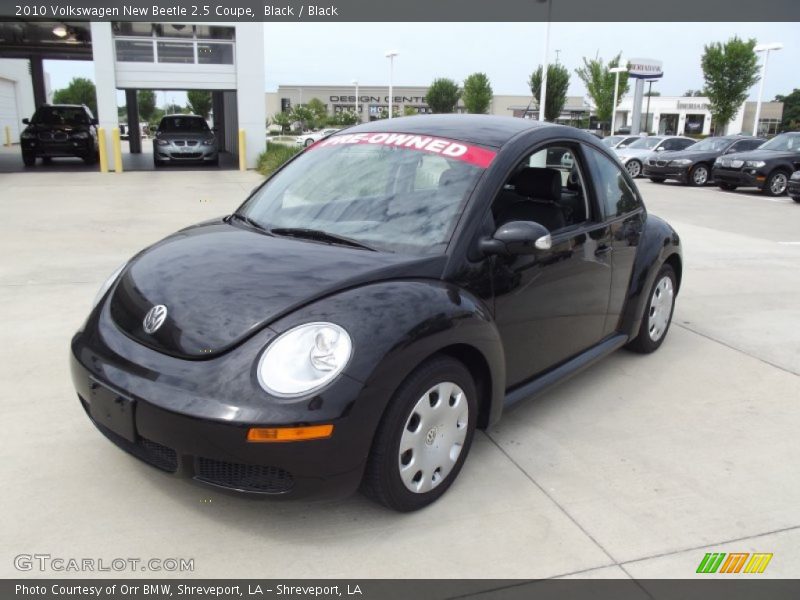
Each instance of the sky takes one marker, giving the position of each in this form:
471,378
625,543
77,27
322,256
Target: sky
337,53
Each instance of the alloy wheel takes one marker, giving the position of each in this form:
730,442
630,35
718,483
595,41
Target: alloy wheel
433,437
660,308
778,183
634,168
700,175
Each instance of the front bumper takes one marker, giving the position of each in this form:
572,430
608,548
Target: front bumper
739,177
793,189
667,172
202,435
182,154
58,148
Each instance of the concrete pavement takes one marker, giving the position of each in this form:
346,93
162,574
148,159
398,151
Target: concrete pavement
635,468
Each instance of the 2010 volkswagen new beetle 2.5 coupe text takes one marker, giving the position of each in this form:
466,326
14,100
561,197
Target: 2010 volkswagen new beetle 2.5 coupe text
384,293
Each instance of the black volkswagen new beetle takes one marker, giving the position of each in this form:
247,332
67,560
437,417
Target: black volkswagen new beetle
384,293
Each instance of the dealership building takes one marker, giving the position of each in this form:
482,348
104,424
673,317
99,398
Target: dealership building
667,114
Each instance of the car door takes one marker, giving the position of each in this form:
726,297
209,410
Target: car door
623,213
551,306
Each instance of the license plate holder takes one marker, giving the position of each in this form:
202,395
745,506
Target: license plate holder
113,411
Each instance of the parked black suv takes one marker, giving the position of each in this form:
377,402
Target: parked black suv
768,168
60,130
693,165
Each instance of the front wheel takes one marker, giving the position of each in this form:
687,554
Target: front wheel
776,184
698,176
727,187
424,436
308,142
658,179
658,313
634,168
796,199
28,159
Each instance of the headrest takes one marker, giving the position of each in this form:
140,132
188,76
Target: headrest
449,177
538,183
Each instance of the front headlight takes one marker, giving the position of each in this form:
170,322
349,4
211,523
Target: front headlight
304,359
718,161
27,135
80,135
680,162
756,164
107,284
162,142
209,142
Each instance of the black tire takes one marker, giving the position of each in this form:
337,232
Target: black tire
28,159
696,178
308,142
658,179
777,183
158,163
796,199
634,168
644,342
382,479
728,187
91,159
214,163
47,160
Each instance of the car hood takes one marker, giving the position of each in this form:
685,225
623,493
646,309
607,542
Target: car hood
693,156
626,153
764,155
221,283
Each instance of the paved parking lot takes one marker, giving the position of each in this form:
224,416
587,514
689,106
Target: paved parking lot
635,468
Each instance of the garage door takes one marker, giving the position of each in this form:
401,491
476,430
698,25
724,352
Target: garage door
8,110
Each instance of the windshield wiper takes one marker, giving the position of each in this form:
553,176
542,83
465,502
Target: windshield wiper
321,236
254,224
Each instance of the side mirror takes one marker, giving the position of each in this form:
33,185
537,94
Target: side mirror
26,121
517,237
660,149
731,150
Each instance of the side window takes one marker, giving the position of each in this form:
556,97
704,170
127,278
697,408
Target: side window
614,193
547,187
683,143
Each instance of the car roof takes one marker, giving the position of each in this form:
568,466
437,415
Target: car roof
487,130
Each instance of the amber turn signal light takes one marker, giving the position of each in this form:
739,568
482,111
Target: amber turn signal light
289,434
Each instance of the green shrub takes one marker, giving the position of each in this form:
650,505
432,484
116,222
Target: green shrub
275,156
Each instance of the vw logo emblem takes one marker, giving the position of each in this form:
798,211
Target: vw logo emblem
154,318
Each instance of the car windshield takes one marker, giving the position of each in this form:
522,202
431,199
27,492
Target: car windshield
613,139
711,145
183,125
785,142
645,143
60,115
392,192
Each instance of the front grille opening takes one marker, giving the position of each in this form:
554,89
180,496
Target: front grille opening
252,478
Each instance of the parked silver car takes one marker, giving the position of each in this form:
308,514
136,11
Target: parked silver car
184,138
634,155
619,141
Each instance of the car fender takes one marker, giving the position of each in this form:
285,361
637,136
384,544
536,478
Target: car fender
395,325
658,243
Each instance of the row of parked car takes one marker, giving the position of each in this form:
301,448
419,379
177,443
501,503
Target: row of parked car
730,162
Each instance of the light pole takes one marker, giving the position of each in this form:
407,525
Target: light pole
355,83
390,54
648,120
545,65
765,48
616,71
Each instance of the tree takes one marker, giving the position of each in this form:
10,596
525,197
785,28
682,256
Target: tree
79,91
652,93
477,93
791,110
599,82
146,99
303,115
174,109
199,102
343,118
557,86
319,113
730,70
693,93
410,111
283,120
443,95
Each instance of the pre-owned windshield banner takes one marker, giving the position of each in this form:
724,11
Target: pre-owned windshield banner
474,155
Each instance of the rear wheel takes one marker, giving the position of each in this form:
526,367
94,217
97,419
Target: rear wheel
796,198
28,159
308,142
727,187
658,313
658,179
634,168
424,436
776,183
698,176
91,158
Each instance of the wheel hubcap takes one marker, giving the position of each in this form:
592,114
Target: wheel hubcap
700,175
778,185
660,308
634,168
433,437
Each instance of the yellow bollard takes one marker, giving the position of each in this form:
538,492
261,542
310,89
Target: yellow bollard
117,149
8,135
101,142
242,151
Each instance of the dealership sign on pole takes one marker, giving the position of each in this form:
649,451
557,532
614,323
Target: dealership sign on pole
641,69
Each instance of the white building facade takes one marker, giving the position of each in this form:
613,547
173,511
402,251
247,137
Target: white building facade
16,97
